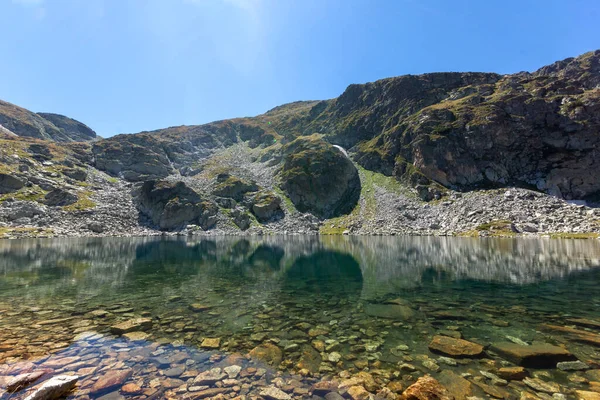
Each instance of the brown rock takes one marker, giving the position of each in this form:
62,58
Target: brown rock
60,362
455,347
137,324
395,386
512,373
426,388
459,387
493,391
590,323
574,334
358,393
536,355
136,336
267,353
203,394
211,343
585,395
110,380
131,388
310,359
324,387
199,307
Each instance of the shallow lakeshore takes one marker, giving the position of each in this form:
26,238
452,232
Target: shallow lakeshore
302,316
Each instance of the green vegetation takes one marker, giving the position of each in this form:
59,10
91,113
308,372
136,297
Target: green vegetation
9,232
574,235
83,203
495,228
34,193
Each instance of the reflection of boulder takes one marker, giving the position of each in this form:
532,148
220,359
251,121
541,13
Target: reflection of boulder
326,271
269,256
173,260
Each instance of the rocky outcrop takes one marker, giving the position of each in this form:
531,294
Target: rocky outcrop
319,178
171,205
10,183
54,127
265,206
233,187
133,157
72,129
60,197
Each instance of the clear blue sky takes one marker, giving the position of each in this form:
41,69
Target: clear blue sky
124,66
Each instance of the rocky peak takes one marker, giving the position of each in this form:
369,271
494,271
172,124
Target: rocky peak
54,127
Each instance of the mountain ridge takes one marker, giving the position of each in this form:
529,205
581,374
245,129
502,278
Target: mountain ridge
399,144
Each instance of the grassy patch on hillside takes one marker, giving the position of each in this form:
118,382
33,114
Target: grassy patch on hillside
83,203
10,232
574,235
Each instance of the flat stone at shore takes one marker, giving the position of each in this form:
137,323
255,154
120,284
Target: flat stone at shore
536,355
455,347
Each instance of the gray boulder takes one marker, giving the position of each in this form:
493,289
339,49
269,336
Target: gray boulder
266,205
60,197
173,205
319,178
10,183
241,218
75,173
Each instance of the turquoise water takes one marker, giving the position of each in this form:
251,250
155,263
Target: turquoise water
330,306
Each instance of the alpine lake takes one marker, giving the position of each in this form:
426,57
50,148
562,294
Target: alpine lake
301,317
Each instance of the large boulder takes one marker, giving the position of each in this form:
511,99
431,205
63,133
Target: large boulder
75,173
10,183
172,205
265,205
60,197
319,178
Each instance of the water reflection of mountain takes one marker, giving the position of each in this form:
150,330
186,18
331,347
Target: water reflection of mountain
387,263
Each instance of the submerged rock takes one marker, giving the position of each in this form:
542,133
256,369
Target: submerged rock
536,355
110,380
267,353
273,393
455,347
426,388
512,373
542,386
54,388
399,312
22,381
137,324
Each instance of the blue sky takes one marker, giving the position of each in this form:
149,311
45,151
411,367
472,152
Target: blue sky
124,66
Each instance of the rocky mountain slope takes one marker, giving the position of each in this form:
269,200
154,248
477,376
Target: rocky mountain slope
441,153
